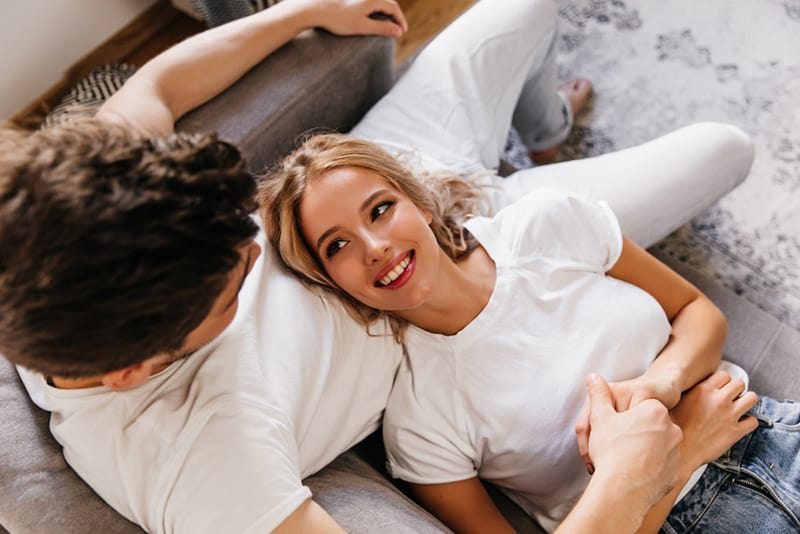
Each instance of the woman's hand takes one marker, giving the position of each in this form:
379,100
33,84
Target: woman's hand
359,17
630,393
712,417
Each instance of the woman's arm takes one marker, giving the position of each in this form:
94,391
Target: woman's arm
309,517
464,506
197,69
694,349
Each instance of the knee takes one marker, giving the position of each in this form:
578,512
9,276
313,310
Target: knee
730,144
724,146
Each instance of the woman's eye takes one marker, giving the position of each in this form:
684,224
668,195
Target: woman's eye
335,246
380,209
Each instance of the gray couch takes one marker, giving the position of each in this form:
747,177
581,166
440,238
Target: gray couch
316,81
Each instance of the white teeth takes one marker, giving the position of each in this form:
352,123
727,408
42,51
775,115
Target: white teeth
392,275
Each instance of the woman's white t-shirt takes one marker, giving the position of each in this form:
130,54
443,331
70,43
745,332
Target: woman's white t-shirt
499,399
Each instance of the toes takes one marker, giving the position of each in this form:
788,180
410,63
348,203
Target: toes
577,92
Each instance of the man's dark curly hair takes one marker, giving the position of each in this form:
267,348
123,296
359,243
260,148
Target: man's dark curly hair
114,247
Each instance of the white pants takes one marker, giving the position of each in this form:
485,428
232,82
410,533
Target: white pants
496,64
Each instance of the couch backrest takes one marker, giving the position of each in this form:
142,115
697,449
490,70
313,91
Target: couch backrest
316,82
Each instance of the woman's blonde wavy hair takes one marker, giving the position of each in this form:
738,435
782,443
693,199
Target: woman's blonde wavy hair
448,198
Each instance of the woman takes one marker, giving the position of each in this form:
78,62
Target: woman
502,318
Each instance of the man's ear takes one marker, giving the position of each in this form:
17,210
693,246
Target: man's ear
129,377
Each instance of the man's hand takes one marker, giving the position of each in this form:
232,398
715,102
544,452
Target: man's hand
639,447
359,17
663,387
712,417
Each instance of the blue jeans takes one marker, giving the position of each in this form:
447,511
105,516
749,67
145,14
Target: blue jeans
754,488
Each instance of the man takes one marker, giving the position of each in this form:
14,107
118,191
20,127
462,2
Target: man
192,383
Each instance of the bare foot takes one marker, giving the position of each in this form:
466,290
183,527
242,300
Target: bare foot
578,93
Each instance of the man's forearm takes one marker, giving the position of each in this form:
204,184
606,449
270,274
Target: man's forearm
197,69
658,514
605,508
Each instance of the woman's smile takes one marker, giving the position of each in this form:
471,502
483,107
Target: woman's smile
395,276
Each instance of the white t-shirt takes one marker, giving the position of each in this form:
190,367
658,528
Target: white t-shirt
220,441
499,399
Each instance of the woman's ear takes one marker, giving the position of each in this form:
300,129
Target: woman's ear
428,217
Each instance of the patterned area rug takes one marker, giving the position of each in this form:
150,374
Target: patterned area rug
658,65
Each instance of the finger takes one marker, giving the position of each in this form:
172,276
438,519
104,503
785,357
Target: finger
600,398
582,429
734,388
382,24
746,402
747,425
718,379
393,9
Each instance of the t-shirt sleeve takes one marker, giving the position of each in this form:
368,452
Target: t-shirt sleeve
553,223
242,478
420,436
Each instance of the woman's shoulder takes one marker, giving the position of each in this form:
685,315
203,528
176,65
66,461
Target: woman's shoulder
551,222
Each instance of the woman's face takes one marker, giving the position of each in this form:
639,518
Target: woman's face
372,240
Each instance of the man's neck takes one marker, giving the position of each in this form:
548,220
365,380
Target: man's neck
156,364
74,383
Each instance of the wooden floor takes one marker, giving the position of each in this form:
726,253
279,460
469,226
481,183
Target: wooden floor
425,19
162,26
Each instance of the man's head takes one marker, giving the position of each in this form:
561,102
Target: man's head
114,248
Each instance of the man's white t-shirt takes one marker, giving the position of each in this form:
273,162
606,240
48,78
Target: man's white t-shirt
220,441
499,399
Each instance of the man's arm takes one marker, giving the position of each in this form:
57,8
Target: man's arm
197,69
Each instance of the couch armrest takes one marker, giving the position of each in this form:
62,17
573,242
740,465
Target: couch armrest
316,81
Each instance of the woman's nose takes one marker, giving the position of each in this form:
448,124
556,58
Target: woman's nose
377,248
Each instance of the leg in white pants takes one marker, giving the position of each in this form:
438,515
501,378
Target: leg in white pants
653,188
456,102
455,105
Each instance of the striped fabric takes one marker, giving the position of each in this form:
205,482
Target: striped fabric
87,95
